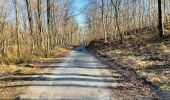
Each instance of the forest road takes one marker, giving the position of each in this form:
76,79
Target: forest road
79,77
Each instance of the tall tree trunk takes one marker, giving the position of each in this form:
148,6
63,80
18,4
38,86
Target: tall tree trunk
17,26
116,7
160,26
29,12
3,40
48,26
103,21
39,8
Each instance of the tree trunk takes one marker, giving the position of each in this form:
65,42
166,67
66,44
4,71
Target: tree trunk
29,12
17,26
160,27
116,6
103,21
48,26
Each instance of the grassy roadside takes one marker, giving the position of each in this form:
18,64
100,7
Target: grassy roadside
145,54
9,88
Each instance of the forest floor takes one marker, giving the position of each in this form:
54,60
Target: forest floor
142,58
12,71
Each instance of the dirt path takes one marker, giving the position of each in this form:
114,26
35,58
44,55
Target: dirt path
80,76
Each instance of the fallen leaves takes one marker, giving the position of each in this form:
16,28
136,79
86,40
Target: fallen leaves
146,54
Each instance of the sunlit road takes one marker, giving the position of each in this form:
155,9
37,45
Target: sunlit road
80,77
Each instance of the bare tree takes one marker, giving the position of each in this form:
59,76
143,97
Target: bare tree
116,6
103,20
160,26
17,26
29,13
49,25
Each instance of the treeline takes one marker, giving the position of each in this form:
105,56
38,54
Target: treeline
36,27
118,18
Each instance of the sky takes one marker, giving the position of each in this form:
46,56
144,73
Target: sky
79,6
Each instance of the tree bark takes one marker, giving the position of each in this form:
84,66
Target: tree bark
103,21
17,26
49,25
160,26
30,19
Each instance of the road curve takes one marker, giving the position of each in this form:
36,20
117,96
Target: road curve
79,77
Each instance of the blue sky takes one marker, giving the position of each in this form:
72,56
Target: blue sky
78,7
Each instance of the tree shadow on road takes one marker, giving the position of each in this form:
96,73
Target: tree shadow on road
70,85
73,74
67,79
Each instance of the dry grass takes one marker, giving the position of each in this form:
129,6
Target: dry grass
12,71
145,53
11,89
